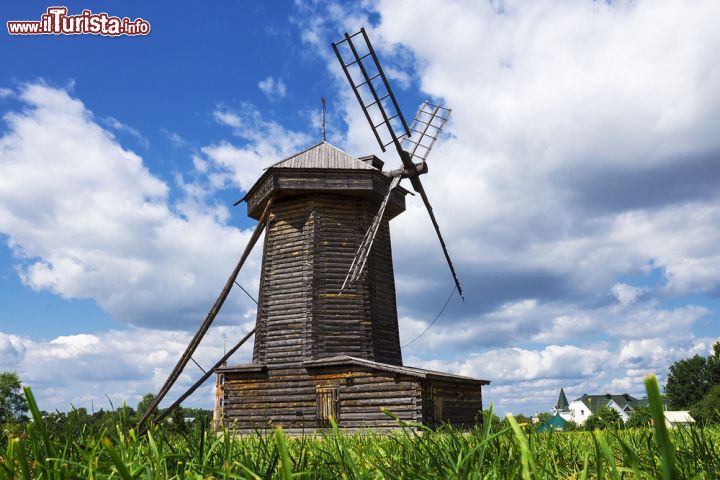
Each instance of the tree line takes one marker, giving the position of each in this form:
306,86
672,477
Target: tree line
693,384
14,413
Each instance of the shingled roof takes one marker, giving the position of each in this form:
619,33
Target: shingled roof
594,402
323,155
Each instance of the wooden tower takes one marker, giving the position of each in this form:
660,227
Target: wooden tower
318,353
327,344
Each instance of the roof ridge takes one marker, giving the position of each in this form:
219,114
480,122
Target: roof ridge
338,149
323,155
294,155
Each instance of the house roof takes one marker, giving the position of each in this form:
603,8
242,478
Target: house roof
323,155
678,416
556,423
562,402
643,402
344,360
594,402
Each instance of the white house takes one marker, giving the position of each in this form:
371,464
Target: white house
580,409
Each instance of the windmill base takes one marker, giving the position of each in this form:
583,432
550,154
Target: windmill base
356,393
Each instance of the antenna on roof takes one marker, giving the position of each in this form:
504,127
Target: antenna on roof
323,119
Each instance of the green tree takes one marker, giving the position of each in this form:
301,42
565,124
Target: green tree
604,417
177,421
639,418
543,417
687,382
713,365
690,379
593,422
144,405
13,405
523,419
707,410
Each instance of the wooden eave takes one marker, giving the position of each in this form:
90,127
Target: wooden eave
281,182
345,360
243,368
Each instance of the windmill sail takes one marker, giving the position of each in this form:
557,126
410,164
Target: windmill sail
426,201
378,103
428,123
361,256
372,89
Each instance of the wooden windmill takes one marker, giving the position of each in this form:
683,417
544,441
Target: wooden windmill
326,337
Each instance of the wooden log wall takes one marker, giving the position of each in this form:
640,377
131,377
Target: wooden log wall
364,394
309,246
288,398
380,280
342,323
461,403
286,285
278,397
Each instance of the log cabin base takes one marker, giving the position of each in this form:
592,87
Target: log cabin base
355,392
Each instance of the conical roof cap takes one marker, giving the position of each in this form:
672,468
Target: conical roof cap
562,403
323,155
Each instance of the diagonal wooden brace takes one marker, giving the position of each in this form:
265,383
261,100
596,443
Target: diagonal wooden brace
185,358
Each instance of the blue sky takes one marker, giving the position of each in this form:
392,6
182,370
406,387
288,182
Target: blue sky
576,187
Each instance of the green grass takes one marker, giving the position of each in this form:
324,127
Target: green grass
507,451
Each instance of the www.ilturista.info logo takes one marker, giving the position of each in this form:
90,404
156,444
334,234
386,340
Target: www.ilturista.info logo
57,22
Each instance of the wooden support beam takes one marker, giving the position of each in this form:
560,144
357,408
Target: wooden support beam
197,384
185,358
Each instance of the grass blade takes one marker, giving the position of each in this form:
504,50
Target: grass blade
116,459
528,462
667,451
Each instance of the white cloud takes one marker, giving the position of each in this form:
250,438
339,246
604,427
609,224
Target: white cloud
263,143
227,118
558,110
86,219
175,139
528,321
626,294
580,153
554,361
12,349
117,125
273,88
657,353
647,321
82,369
5,92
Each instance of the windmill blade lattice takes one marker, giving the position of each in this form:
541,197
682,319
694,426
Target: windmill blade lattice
428,123
378,103
363,252
371,87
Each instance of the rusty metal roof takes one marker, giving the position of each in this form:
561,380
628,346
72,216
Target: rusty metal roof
323,155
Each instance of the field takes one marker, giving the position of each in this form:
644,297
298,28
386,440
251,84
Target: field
505,450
